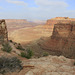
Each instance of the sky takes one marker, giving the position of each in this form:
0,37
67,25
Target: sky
36,9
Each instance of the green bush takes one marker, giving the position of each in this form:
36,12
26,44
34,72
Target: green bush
9,64
28,54
11,41
14,43
6,47
20,47
74,63
45,54
23,54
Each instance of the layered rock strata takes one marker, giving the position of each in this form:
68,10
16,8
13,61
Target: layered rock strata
3,31
59,19
62,40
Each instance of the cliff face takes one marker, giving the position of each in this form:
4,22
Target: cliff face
59,19
62,30
53,21
3,31
62,41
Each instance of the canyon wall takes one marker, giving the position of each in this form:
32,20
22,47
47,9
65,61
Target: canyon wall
58,20
53,21
62,40
15,24
3,31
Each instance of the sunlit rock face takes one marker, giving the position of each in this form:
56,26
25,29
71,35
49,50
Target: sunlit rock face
62,40
59,20
52,65
60,28
3,31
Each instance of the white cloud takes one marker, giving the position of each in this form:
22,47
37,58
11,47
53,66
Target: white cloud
16,2
48,8
45,9
51,3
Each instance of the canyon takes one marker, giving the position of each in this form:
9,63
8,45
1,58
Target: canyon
61,42
15,24
55,38
27,35
34,32
26,29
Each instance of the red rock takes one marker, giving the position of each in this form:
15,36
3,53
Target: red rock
62,41
3,31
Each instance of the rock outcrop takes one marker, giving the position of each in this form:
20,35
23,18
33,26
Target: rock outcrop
51,65
62,41
3,31
53,21
59,19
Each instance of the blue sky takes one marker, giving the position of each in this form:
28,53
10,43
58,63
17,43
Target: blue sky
36,9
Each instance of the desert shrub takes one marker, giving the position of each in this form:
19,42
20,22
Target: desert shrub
28,54
23,54
6,47
45,54
11,41
20,47
9,64
14,43
74,63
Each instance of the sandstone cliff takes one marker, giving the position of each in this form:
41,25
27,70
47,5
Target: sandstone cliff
59,19
61,42
3,31
53,21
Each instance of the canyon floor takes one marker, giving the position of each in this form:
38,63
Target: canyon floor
26,35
